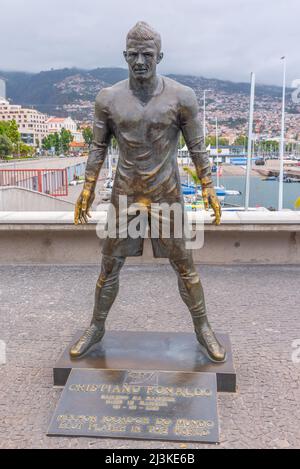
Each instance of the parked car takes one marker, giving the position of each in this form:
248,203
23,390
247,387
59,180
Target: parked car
260,162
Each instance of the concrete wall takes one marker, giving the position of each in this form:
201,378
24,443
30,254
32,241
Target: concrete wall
53,239
17,199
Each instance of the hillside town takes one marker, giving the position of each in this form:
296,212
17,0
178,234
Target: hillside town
232,111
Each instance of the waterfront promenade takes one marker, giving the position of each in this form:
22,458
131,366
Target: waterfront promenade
43,163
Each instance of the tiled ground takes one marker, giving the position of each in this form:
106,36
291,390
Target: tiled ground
42,307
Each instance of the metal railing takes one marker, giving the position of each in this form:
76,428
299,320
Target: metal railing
53,182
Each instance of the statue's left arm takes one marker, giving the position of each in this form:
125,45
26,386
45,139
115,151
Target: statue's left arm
97,155
193,135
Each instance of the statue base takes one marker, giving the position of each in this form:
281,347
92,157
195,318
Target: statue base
149,351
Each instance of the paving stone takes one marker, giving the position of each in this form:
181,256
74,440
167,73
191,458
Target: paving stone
42,307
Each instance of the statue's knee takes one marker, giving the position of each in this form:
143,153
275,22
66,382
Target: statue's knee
110,269
186,270
191,276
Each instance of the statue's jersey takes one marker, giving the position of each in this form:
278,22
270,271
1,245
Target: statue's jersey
147,136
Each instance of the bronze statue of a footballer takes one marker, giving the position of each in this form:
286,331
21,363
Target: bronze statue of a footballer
146,114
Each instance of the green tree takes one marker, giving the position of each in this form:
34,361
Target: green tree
49,142
13,132
65,138
211,140
88,136
241,140
181,141
26,150
6,146
57,143
60,142
114,143
10,129
268,145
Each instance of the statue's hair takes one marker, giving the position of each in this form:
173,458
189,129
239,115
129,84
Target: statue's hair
142,31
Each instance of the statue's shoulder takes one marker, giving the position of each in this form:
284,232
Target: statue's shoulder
185,94
106,95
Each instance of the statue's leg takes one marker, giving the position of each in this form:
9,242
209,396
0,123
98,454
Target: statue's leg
191,291
106,292
107,288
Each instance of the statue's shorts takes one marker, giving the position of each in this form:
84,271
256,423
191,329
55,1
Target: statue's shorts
165,225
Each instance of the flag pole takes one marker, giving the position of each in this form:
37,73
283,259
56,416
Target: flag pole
250,139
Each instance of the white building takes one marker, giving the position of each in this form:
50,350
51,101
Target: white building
56,124
32,124
35,126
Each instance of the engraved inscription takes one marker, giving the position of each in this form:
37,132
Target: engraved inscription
107,405
158,426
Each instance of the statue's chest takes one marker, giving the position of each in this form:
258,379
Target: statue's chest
152,117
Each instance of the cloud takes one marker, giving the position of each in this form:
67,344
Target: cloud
216,38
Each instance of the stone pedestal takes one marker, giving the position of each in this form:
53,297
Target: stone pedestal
150,351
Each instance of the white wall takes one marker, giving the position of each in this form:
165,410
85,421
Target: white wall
17,199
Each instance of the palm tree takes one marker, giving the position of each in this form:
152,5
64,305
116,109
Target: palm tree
297,203
194,176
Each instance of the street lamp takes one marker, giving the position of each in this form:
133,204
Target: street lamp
204,115
217,151
282,139
250,139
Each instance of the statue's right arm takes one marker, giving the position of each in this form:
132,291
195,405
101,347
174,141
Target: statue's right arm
193,135
97,155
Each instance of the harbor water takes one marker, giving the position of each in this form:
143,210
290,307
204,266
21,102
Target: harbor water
262,193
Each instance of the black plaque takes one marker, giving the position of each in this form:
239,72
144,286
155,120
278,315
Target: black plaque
138,405
162,351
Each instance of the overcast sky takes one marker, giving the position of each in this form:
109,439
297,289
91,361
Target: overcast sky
212,38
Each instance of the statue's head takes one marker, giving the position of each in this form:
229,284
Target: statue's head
143,51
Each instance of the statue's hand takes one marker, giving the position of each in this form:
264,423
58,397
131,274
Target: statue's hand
83,206
210,199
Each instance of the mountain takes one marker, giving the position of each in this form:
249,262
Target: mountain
56,88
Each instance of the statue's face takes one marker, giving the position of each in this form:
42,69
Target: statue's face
142,58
